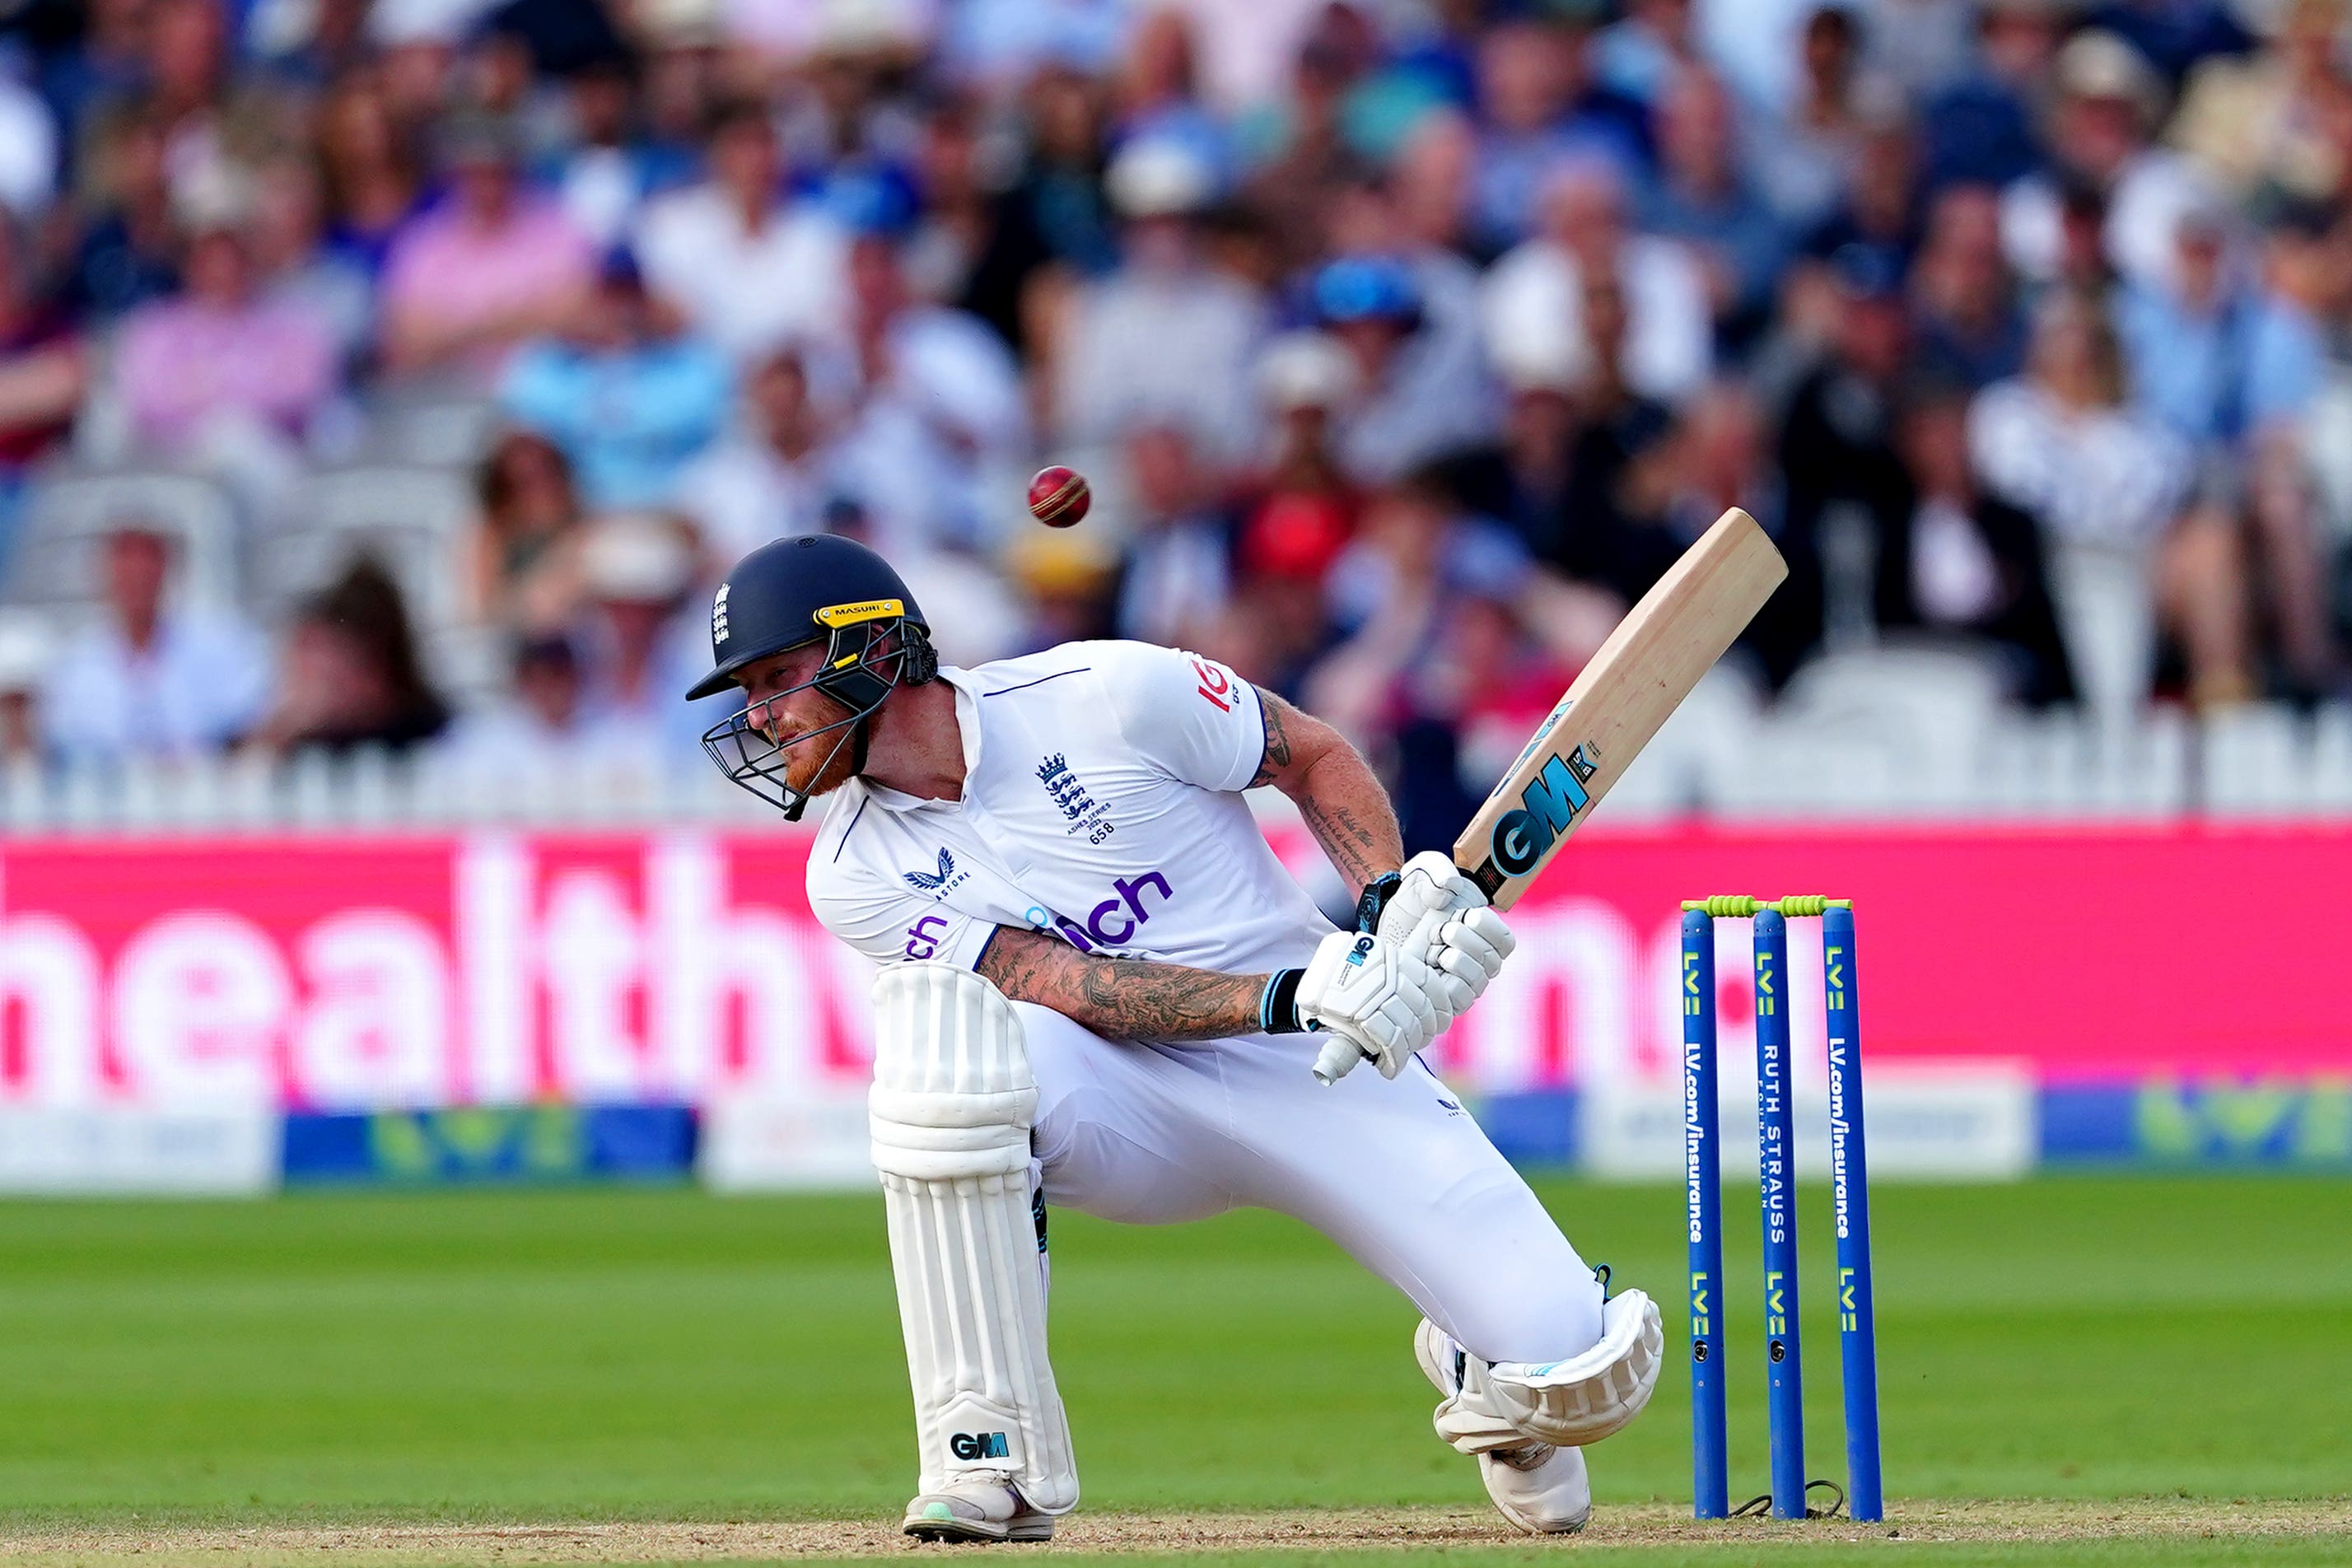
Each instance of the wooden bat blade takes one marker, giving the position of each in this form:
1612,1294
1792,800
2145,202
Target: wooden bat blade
1640,676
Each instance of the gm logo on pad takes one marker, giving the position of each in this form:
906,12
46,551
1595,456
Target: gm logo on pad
979,1445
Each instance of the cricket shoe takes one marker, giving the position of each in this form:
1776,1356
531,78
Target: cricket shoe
1541,1489
976,1509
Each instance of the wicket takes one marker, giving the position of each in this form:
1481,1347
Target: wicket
1776,1170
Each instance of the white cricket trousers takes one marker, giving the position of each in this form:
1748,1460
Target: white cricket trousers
1396,1173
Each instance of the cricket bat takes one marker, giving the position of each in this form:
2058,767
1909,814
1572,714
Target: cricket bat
1641,674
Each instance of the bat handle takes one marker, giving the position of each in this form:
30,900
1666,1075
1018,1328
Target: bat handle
1338,1057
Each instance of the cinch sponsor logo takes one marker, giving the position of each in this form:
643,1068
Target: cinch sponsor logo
1547,810
1115,919
979,1445
923,936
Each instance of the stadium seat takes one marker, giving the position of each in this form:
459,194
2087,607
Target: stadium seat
408,517
55,566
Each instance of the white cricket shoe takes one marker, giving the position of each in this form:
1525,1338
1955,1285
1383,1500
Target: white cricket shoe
976,1509
1543,1489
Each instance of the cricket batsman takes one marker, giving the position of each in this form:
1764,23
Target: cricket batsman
1100,989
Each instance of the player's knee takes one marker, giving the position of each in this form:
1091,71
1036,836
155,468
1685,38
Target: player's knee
1529,1316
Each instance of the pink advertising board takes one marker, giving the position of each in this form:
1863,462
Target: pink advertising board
348,973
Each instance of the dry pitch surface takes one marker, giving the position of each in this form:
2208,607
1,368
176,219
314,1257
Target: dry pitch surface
2021,1530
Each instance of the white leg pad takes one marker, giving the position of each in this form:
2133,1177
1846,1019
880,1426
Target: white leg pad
950,1111
1578,1402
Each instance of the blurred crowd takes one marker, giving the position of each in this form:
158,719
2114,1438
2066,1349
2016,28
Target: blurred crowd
1405,341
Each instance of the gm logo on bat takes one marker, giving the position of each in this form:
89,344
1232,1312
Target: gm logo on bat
1546,811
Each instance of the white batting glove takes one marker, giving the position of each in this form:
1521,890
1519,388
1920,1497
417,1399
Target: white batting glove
1374,996
1434,898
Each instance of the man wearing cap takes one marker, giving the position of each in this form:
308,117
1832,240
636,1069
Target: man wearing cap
1166,338
1099,988
2109,102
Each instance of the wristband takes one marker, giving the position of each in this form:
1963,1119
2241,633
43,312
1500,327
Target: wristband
1375,898
1277,1009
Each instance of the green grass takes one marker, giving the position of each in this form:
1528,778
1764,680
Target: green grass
632,1355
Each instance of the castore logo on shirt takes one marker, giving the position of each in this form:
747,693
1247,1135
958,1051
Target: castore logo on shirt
939,884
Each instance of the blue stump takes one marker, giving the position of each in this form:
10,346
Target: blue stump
1849,1184
1702,1177
1776,1145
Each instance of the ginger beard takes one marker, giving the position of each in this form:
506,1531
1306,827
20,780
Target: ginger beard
820,759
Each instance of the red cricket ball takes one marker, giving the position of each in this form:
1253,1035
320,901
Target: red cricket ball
1058,497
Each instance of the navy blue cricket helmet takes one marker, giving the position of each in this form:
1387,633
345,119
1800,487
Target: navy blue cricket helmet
793,592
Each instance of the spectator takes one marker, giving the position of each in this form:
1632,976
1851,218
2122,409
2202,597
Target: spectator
1419,394
1845,485
1060,183
29,150
519,565
1958,561
1979,129
1606,532
129,253
105,62
2271,116
44,371
1877,202
151,678
1805,168
223,373
938,411
1300,151
1155,92
628,397
1719,459
2108,103
774,475
973,246
749,268
639,567
1971,327
611,170
1179,572
351,676
27,651
218,124
1537,103
370,184
1165,340
535,732
1532,296
294,267
1701,197
1301,508
2113,487
1415,546
491,269
1640,54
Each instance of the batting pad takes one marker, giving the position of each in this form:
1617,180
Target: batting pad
950,1111
1585,1398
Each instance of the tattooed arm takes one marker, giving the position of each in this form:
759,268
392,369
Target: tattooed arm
1344,805
1122,998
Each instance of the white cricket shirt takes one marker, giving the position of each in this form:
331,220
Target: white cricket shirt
1101,804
